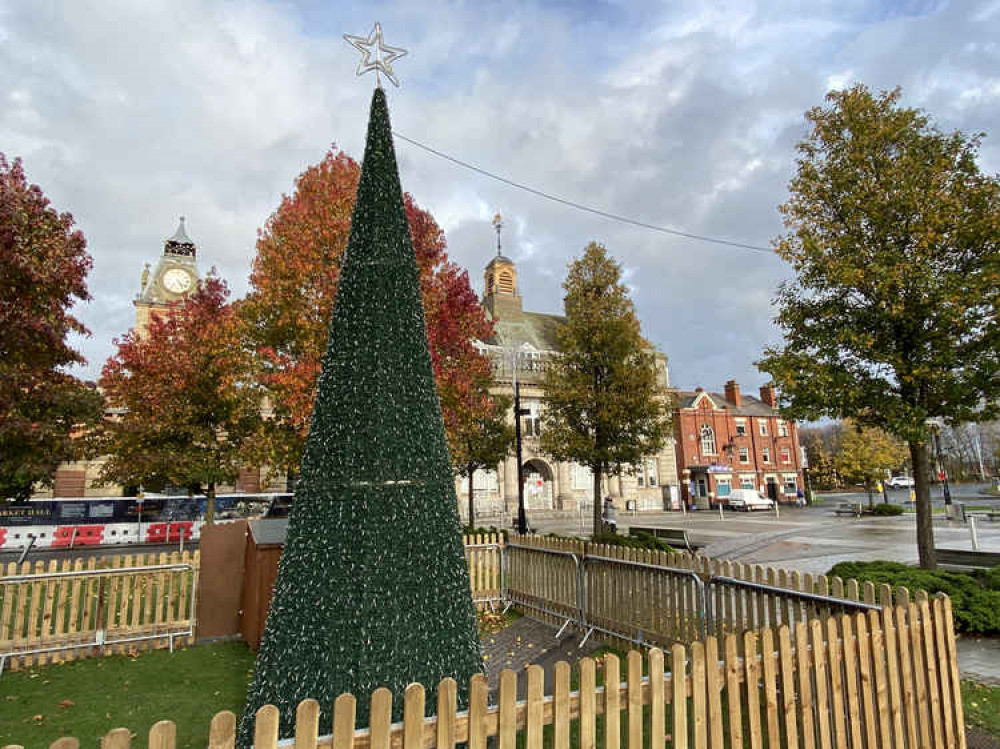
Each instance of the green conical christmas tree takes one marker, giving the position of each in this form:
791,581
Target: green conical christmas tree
372,589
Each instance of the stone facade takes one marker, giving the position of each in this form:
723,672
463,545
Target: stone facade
549,485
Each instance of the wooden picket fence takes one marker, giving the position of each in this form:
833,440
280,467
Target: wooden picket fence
483,554
886,680
56,611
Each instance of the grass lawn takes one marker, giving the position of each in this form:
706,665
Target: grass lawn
982,706
87,698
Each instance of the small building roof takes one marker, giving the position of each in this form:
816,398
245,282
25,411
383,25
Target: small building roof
269,531
534,328
750,406
499,259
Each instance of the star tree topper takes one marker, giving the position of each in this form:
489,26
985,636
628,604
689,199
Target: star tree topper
374,46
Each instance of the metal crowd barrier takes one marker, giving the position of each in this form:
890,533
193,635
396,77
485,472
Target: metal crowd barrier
688,614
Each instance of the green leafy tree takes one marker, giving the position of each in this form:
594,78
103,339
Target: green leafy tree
186,398
603,406
867,454
819,445
43,271
894,235
372,588
480,435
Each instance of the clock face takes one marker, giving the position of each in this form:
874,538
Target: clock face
177,280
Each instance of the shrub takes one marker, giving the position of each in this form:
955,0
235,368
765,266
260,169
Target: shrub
885,509
991,578
976,607
468,530
634,541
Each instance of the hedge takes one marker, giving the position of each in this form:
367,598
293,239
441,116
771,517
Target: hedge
975,598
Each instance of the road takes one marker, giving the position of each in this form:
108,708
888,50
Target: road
811,539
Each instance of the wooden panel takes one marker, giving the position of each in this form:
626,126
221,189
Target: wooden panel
678,675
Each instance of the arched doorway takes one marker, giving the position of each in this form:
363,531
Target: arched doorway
537,484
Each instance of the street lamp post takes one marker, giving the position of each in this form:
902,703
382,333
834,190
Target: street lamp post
522,520
942,474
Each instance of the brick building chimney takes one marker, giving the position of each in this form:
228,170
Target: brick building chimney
733,393
768,395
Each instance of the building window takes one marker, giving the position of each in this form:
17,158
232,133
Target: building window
532,421
765,455
791,486
582,477
741,429
722,487
707,440
646,472
744,455
747,483
786,455
782,428
485,482
763,428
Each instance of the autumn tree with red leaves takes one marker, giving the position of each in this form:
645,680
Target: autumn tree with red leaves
43,267
188,398
293,285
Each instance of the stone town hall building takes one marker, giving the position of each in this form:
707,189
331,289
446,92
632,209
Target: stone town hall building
549,484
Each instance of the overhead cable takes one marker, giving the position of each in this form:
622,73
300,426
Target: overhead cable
580,206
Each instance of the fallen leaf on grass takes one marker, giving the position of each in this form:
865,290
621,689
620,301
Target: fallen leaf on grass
38,718
67,703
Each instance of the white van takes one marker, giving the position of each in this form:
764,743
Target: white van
749,499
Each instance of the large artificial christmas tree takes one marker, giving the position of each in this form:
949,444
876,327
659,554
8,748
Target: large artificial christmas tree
372,589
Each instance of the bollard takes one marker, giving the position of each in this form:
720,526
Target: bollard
972,532
777,512
721,516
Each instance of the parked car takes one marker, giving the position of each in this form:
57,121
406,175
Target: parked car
749,499
901,482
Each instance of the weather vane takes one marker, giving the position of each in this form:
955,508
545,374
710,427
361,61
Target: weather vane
383,54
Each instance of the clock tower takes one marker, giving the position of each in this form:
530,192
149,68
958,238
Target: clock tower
175,275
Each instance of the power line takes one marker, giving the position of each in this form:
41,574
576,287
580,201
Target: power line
580,206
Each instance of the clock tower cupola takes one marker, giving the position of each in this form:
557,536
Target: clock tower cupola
501,297
174,277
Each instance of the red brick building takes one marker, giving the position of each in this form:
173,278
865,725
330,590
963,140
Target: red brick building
730,441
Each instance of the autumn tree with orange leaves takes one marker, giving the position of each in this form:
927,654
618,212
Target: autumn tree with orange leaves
43,274
293,284
187,395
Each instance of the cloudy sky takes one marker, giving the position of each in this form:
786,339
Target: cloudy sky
682,114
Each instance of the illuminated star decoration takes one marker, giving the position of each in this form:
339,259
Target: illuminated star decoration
383,53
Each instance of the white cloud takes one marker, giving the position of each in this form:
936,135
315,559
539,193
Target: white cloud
683,115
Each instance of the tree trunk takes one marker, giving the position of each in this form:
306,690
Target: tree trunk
598,501
871,499
210,504
472,509
925,520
